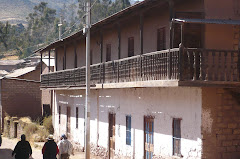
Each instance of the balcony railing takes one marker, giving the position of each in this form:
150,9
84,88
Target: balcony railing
174,64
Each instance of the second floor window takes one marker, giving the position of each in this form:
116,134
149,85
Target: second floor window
108,52
91,57
130,46
161,39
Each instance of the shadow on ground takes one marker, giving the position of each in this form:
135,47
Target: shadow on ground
5,153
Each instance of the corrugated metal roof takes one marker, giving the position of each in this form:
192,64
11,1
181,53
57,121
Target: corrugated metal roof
20,72
10,62
208,21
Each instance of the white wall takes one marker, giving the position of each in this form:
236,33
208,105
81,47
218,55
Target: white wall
162,103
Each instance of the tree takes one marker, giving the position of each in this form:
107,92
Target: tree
4,31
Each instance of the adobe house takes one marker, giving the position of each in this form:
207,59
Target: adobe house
165,79
20,92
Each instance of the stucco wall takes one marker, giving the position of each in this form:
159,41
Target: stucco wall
162,103
230,7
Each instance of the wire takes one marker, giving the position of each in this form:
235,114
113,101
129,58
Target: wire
55,39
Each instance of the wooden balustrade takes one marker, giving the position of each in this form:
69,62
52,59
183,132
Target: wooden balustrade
211,65
183,64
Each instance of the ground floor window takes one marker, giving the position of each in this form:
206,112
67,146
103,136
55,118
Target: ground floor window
76,117
128,130
177,137
59,114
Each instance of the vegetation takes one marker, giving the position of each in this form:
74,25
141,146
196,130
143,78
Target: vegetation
42,25
36,132
47,123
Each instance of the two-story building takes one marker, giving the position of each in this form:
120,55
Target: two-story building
164,81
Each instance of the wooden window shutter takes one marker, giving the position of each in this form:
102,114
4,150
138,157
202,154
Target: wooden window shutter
108,52
130,46
161,39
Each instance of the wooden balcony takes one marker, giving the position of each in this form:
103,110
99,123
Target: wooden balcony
187,66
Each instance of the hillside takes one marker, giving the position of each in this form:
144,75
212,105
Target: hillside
16,11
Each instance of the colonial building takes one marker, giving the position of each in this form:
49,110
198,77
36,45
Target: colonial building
164,81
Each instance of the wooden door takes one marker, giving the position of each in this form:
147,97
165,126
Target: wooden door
111,135
176,137
68,121
148,137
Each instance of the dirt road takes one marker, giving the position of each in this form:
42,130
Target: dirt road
9,144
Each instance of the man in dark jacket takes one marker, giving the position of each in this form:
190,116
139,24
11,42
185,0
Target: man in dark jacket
50,148
23,149
0,139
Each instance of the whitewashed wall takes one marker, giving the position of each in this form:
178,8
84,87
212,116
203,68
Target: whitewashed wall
162,103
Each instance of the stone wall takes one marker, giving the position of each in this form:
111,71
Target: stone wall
220,124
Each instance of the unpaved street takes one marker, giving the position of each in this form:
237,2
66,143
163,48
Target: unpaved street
9,144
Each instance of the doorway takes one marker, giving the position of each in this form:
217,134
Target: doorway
111,135
15,129
68,121
148,137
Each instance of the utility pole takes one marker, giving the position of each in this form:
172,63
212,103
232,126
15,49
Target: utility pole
87,98
60,28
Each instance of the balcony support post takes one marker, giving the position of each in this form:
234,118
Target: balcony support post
56,59
41,62
181,54
65,61
49,61
141,42
101,52
119,49
75,54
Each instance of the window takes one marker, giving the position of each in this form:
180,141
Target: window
91,57
161,39
59,114
128,130
130,46
76,117
108,52
176,137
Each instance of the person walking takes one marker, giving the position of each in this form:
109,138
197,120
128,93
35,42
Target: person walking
23,149
0,139
50,149
65,148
